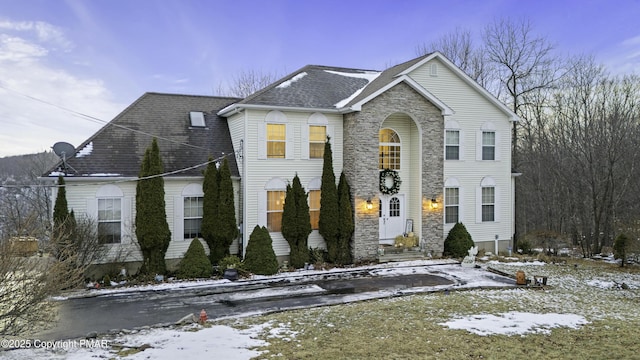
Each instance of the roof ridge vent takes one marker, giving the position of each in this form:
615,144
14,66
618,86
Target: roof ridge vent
197,118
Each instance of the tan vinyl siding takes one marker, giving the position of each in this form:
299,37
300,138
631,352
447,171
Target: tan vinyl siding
261,171
236,129
83,193
128,251
472,109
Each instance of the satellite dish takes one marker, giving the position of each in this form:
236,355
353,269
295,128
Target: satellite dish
64,150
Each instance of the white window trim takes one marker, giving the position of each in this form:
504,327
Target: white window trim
398,144
452,125
488,181
111,191
274,184
276,117
488,127
454,183
190,190
315,119
120,201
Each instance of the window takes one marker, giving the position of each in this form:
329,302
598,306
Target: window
197,118
275,207
394,207
276,141
317,137
451,205
488,145
452,145
389,150
488,203
109,220
434,70
193,217
314,208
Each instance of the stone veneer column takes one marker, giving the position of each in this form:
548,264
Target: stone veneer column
360,165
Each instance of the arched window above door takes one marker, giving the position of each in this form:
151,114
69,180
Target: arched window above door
389,149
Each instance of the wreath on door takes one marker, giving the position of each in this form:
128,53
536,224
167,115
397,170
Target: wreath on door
389,174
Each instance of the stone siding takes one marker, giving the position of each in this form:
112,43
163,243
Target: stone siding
361,165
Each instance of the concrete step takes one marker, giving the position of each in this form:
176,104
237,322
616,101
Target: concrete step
401,256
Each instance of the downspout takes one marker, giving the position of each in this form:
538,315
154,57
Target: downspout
243,179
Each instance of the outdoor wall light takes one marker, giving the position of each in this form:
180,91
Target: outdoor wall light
434,203
369,204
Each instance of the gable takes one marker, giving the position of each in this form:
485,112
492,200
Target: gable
465,100
440,76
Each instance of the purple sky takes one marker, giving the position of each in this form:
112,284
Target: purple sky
96,57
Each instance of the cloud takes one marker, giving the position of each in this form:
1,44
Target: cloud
44,32
33,91
634,41
16,49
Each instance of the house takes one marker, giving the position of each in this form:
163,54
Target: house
420,141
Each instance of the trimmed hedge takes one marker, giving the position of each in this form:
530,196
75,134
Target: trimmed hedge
195,263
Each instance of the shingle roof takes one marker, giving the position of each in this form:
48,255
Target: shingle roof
118,148
385,77
312,86
326,87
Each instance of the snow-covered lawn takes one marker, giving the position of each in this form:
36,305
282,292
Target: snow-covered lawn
514,323
582,303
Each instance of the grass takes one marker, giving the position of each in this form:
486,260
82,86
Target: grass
408,327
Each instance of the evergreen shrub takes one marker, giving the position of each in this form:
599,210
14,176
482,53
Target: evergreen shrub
195,263
260,258
458,242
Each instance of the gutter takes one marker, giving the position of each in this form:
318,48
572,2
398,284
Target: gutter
236,108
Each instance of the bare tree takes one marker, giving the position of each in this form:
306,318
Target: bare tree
523,63
459,48
24,203
246,83
25,284
596,135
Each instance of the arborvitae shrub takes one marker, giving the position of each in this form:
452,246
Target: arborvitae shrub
195,263
227,228
328,224
260,257
458,241
296,225
152,229
210,209
345,222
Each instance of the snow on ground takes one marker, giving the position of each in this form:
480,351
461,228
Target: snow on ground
515,323
195,342
517,263
561,307
386,269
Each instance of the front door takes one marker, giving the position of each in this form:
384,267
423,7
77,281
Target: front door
392,216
